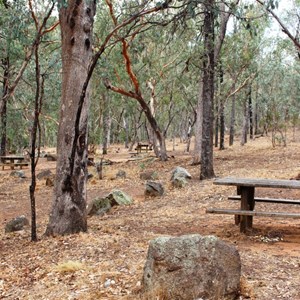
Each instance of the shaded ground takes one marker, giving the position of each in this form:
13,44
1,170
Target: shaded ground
115,247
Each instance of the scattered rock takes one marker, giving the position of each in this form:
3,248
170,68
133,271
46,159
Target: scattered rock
51,157
118,197
19,174
43,174
154,189
100,206
121,174
16,224
149,175
191,267
179,176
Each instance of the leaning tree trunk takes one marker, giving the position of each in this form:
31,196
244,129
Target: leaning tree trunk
207,170
68,213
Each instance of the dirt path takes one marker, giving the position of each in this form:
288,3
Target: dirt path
116,245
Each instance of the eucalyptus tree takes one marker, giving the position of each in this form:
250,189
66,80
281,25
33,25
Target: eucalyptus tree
14,38
68,214
277,93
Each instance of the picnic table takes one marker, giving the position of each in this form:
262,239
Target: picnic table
13,161
246,195
143,146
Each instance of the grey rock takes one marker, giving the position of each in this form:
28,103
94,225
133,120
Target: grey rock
16,224
51,157
154,189
191,267
44,174
179,177
181,172
100,206
19,174
121,174
117,197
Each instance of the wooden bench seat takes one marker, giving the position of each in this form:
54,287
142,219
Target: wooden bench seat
268,200
252,213
13,165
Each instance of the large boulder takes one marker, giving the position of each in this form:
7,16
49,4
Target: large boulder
154,189
179,177
100,206
191,267
16,224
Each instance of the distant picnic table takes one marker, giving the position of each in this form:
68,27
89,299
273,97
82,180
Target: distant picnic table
246,196
143,146
13,161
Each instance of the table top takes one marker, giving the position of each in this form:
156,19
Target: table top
12,157
258,182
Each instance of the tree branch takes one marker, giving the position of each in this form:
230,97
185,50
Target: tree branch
283,27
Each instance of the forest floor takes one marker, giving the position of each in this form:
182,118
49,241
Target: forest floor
107,262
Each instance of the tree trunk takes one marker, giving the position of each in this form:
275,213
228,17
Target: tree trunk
3,106
68,213
245,124
217,122
206,170
126,128
232,121
189,136
222,126
250,107
221,109
106,123
198,127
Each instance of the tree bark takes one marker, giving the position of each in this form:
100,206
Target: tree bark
106,123
245,123
250,113
232,121
3,106
221,109
68,213
198,127
207,170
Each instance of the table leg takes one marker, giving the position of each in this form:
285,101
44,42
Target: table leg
247,203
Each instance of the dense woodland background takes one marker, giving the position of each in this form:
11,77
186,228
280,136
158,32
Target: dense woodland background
257,73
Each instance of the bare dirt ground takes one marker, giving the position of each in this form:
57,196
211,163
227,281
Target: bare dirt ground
107,262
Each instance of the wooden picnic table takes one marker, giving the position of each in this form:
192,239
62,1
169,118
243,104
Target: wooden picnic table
246,195
13,161
143,146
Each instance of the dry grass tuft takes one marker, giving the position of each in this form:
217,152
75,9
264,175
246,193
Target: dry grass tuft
69,266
